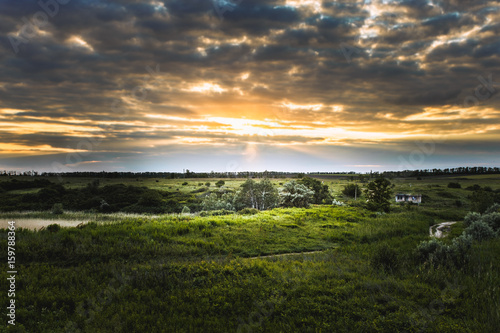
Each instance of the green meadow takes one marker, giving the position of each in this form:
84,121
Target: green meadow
325,268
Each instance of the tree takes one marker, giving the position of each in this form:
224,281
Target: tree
261,196
321,192
481,200
213,202
351,190
295,195
151,198
379,194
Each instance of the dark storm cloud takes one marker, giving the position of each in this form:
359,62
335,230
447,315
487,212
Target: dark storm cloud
88,66
429,98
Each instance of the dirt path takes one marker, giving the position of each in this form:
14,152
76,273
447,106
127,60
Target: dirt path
37,224
287,254
440,230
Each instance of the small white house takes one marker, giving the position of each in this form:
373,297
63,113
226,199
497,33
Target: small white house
415,198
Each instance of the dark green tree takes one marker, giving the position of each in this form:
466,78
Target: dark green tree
262,195
321,191
294,194
151,198
378,194
481,200
351,190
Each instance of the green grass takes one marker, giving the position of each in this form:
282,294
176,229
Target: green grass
185,273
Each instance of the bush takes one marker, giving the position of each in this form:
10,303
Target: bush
460,250
185,210
337,203
492,220
220,212
351,190
436,253
220,183
207,184
57,209
495,208
185,183
425,249
471,218
454,185
295,195
53,227
248,211
385,257
200,190
474,187
481,201
480,231
150,198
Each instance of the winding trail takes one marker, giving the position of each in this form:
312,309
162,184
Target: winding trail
440,230
288,254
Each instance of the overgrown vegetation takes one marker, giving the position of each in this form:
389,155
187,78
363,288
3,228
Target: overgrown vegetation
369,271
185,273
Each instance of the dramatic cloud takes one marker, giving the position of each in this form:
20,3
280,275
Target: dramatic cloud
249,84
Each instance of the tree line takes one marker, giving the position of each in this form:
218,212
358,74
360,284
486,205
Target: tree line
264,174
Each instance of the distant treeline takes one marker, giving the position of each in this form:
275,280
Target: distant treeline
93,197
264,174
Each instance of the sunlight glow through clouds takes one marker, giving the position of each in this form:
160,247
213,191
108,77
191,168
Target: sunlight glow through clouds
79,42
315,5
206,87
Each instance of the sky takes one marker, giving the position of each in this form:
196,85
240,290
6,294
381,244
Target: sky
249,85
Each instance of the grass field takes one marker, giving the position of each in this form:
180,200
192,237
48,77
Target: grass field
187,273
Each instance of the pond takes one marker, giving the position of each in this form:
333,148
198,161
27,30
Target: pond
37,224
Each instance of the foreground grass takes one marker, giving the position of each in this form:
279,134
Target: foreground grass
194,274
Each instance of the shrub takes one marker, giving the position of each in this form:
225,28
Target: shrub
351,190
53,227
385,257
481,201
185,183
480,231
213,202
471,218
492,220
207,184
185,210
474,187
248,211
337,203
427,248
220,212
150,198
454,185
460,249
57,209
321,191
495,208
200,190
295,195
220,183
